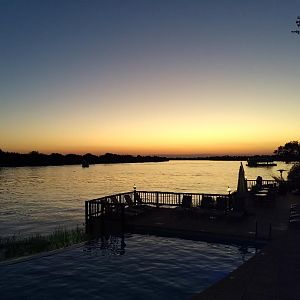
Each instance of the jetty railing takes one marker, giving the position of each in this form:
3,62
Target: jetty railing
174,199
97,207
266,183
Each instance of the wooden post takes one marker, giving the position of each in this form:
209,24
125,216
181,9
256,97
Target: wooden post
157,201
102,218
122,217
86,217
134,196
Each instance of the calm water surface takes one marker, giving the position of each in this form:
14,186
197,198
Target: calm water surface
148,267
40,199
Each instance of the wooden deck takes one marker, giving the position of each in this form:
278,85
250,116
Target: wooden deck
164,212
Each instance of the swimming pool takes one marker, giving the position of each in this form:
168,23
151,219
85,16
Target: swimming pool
131,267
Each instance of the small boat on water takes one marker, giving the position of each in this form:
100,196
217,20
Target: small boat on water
85,164
260,162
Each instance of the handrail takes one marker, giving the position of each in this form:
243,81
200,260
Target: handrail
265,182
99,206
95,207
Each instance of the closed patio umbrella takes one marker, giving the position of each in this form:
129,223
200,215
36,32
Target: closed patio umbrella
242,183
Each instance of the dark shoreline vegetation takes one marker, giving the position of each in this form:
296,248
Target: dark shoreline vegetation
34,158
14,247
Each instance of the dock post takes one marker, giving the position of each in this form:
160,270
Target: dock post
102,218
86,217
134,194
123,217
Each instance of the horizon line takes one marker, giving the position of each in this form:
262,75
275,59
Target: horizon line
204,155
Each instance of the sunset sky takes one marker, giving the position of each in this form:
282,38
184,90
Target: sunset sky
149,76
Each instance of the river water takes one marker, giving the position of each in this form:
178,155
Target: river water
41,199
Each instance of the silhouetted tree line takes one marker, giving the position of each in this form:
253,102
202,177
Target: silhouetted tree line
298,25
34,158
231,158
289,152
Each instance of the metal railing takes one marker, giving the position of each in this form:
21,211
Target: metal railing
95,207
265,183
100,206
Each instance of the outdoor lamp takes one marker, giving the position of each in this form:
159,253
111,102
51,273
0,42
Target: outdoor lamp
134,187
229,190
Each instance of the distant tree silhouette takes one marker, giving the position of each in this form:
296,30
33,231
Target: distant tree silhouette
294,176
298,25
90,158
289,152
34,158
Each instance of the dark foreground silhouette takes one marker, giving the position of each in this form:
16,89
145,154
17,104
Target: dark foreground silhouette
34,158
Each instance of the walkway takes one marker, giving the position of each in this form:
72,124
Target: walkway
272,274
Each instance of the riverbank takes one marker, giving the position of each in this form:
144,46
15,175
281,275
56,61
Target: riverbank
14,247
36,159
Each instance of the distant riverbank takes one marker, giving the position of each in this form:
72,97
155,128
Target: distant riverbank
34,158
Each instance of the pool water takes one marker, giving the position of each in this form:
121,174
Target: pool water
130,267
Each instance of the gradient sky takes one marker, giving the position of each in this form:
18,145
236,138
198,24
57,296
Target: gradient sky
149,77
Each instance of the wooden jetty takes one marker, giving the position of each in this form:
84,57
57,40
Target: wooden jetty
156,211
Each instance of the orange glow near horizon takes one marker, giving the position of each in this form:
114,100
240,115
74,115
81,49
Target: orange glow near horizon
164,121
159,146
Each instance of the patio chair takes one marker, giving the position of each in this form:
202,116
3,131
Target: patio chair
185,207
206,208
112,206
186,201
207,203
221,204
132,209
114,200
128,200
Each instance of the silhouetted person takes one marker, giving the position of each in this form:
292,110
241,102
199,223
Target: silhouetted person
259,182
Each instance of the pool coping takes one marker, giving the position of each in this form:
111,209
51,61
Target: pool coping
197,235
